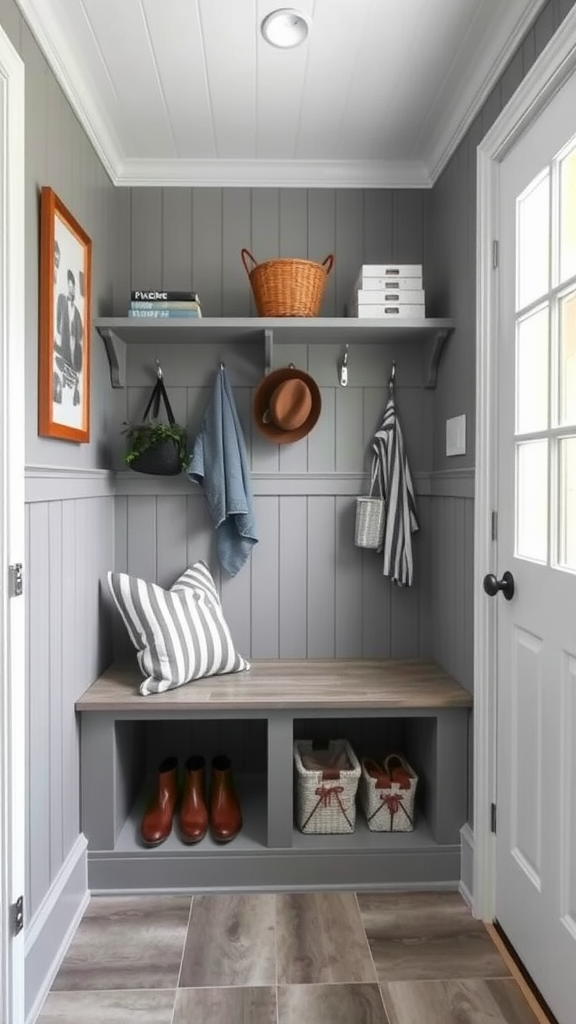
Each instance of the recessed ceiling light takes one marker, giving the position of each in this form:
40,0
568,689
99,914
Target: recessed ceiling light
285,28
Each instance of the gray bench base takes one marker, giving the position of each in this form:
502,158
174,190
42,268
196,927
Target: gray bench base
121,747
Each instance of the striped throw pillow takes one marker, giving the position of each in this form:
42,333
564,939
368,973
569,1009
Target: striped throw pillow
180,634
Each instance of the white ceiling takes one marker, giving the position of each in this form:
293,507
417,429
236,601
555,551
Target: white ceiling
187,91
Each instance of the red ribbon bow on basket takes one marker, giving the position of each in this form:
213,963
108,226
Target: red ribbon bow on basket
325,794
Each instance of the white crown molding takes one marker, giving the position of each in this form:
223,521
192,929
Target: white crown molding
549,72
274,173
455,109
45,22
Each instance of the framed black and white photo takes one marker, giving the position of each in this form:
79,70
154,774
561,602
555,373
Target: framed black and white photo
64,323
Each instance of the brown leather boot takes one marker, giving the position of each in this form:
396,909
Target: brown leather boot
193,818
225,814
156,823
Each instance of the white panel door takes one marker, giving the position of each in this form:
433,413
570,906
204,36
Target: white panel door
536,748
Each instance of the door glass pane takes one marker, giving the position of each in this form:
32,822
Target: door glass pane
533,241
532,372
567,552
568,215
568,358
532,500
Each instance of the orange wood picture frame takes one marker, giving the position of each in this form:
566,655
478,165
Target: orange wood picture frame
65,325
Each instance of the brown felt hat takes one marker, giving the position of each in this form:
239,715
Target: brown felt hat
286,405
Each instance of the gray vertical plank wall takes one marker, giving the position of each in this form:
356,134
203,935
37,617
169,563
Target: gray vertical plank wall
307,590
450,244
69,518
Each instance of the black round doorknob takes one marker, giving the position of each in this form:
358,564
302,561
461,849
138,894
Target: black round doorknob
492,585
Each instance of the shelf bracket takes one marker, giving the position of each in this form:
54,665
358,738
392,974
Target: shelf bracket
268,350
116,352
432,354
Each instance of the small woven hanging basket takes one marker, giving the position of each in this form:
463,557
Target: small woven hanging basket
287,287
370,509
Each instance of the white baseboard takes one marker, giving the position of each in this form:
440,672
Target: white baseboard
466,886
53,926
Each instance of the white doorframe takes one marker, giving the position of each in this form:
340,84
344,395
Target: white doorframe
554,65
12,617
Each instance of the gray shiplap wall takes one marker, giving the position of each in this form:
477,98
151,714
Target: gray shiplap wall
450,243
307,592
59,154
69,538
192,238
68,552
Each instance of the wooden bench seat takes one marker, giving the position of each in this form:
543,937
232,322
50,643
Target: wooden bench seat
306,684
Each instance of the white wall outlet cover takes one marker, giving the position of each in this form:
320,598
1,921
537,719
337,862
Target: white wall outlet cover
456,435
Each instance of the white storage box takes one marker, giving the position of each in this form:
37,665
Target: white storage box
390,270
387,793
382,311
326,790
368,297
380,283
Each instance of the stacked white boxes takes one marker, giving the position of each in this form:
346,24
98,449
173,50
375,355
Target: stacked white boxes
388,290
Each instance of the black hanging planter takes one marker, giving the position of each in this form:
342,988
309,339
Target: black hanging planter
155,447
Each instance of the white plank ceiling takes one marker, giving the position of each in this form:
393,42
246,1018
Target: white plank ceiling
188,92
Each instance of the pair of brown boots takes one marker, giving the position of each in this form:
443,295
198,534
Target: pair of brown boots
225,818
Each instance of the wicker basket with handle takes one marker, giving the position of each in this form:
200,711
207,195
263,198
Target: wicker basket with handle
387,793
326,796
287,287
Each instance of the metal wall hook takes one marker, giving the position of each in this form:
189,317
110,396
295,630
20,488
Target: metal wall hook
159,370
392,378
344,368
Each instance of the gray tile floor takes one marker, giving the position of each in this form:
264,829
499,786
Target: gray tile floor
313,958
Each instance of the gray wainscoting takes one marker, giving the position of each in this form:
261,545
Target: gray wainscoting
69,549
307,591
452,594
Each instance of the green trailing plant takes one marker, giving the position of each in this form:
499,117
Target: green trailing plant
144,436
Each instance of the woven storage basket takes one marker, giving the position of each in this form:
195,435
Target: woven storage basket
326,799
370,509
387,792
287,287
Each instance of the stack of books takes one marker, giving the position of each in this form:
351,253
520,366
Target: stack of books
162,304
388,290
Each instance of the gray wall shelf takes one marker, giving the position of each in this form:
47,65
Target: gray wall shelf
118,332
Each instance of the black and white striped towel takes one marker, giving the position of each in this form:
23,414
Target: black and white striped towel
400,520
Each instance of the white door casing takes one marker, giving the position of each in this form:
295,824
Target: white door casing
543,918
12,623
